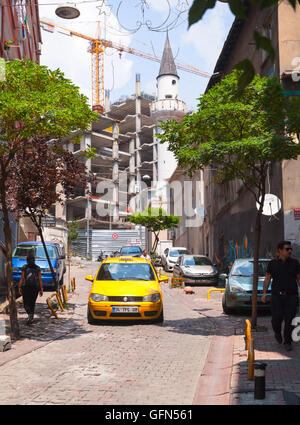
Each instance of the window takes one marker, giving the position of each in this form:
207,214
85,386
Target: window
245,268
37,250
175,253
126,271
131,250
169,96
173,82
197,261
266,32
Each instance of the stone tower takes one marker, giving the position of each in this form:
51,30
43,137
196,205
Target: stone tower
167,106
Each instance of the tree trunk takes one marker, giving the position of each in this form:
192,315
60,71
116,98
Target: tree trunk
257,236
48,259
155,243
13,313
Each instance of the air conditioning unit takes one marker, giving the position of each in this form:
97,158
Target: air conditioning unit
38,48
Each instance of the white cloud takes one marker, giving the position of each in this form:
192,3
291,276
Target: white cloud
69,53
207,36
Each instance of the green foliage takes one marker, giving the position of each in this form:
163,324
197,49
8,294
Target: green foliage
154,219
37,101
237,134
72,231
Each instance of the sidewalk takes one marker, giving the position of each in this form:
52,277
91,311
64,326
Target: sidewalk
282,372
46,327
224,379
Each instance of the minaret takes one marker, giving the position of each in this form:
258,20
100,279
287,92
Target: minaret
166,107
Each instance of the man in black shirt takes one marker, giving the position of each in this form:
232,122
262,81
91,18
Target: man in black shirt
285,274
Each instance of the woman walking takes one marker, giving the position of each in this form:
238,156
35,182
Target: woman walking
30,285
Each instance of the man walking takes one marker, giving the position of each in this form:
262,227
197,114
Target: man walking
285,272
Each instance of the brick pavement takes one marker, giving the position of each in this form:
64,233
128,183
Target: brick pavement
282,371
198,356
283,368
68,361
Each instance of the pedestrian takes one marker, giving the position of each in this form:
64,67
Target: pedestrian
30,285
285,274
145,255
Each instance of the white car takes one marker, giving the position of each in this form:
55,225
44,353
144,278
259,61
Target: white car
170,256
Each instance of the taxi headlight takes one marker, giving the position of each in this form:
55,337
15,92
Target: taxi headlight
99,297
152,298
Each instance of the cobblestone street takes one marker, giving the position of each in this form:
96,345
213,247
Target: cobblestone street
77,363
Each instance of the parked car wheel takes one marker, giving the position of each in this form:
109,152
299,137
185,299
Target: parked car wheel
226,309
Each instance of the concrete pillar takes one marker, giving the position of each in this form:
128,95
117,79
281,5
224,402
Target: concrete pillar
71,147
155,172
85,142
131,168
115,172
137,135
107,101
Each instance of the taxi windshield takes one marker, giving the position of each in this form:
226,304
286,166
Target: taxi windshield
126,271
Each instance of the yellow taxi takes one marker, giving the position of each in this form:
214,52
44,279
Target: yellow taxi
126,288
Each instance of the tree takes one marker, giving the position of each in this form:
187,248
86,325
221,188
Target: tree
36,104
42,176
72,237
238,135
239,9
155,220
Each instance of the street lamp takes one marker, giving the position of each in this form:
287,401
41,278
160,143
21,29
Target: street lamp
67,11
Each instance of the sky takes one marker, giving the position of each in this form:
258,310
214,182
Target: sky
143,28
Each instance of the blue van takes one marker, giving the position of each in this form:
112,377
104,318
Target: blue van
57,260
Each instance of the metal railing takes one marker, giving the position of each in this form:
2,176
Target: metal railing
214,290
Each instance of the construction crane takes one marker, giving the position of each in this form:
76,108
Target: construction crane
97,48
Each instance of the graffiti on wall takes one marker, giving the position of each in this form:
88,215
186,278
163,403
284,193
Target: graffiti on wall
231,250
244,250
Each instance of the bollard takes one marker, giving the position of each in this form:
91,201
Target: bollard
64,293
259,381
247,332
251,360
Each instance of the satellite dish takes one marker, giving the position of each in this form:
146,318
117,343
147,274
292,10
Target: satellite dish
200,211
67,11
271,206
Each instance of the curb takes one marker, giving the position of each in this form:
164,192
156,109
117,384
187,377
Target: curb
5,341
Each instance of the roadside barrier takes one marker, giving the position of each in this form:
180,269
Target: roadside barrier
73,286
214,290
250,348
247,332
50,305
64,293
177,281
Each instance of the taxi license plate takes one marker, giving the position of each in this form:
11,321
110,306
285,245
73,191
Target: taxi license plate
129,309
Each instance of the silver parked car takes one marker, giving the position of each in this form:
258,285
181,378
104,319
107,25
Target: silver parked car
196,269
171,255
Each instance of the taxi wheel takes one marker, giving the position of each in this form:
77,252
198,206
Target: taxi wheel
90,318
160,319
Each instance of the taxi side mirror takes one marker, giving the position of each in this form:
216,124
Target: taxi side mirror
89,277
163,278
223,276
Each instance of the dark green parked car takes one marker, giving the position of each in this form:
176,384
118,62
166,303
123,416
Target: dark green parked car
239,283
